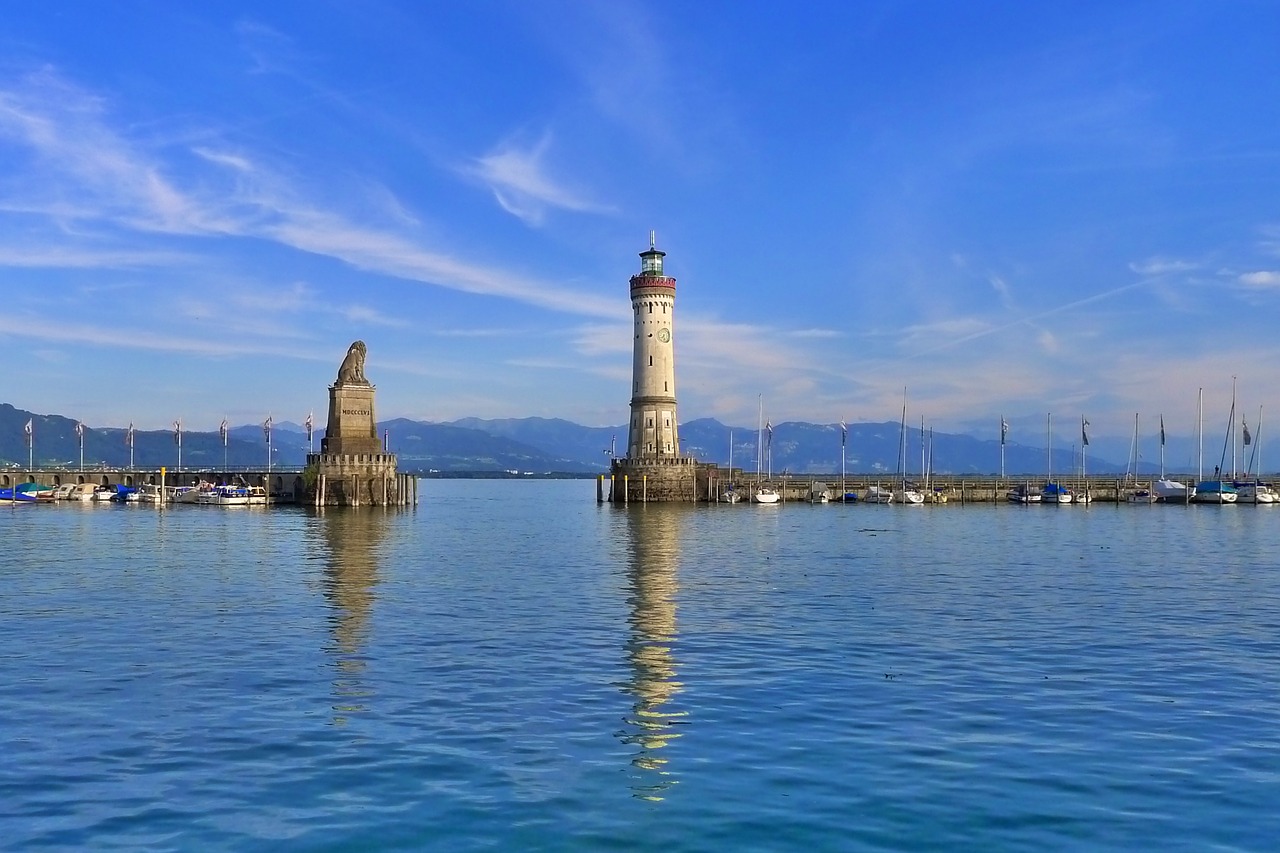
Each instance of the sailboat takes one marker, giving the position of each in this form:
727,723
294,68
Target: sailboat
729,496
905,494
1053,493
1254,491
846,496
764,494
1164,489
1214,491
1135,495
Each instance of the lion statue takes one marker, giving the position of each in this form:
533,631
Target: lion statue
352,370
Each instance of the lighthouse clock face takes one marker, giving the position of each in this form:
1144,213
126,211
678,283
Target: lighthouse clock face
664,335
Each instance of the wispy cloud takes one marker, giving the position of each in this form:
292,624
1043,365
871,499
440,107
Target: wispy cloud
518,178
120,183
1261,279
1161,266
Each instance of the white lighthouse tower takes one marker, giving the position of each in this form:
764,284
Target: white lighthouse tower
653,433
653,468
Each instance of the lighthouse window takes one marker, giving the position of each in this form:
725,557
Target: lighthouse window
650,307
664,308
651,361
664,386
649,423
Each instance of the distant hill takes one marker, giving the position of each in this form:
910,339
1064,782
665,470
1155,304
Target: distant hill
546,445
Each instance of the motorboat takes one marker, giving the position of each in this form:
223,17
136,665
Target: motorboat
1214,492
908,495
83,492
1171,491
1023,493
878,495
1256,492
150,493
34,492
1055,493
63,492
818,493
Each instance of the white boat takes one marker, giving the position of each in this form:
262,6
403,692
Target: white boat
82,492
1171,491
1023,493
1255,493
257,496
729,496
1056,493
226,496
818,493
877,495
764,494
103,493
906,494
909,495
1052,493
63,492
150,493
201,493
1216,491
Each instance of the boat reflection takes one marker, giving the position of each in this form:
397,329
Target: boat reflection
653,560
354,539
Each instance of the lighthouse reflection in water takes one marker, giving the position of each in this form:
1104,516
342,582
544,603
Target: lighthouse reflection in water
655,722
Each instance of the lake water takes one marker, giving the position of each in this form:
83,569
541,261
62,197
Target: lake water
510,666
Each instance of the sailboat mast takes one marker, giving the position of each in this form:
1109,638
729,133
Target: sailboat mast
759,442
1048,446
1231,427
1200,435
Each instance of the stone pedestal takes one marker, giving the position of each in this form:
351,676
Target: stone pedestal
352,427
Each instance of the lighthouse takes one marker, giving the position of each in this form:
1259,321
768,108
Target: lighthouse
653,468
653,432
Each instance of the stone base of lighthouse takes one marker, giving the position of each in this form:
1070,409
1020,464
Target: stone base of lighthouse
673,479
357,479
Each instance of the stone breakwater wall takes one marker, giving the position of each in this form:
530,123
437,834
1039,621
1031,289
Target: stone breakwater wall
712,481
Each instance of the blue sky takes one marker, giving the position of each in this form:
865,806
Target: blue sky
1006,208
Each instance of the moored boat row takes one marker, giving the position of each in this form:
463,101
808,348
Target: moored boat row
205,494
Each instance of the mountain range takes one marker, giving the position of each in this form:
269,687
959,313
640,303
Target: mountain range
549,445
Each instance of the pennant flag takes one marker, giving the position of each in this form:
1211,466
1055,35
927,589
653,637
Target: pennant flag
309,424
222,431
1084,435
177,432
27,430
1162,430
1248,439
1004,429
266,428
80,430
128,435
844,432
768,431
